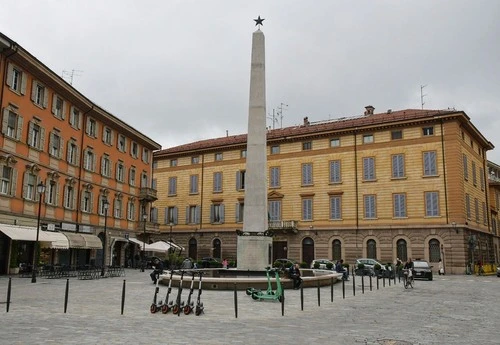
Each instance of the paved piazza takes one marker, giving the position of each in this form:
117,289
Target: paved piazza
448,310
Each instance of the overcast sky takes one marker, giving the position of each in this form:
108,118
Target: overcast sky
179,71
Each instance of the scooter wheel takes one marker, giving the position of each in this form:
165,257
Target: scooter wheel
175,309
165,309
153,309
197,311
249,291
187,310
255,296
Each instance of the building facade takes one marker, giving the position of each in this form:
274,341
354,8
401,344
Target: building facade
407,184
96,170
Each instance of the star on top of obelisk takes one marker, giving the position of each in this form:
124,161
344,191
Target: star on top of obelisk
259,21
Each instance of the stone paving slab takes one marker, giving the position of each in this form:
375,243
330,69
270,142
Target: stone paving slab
448,310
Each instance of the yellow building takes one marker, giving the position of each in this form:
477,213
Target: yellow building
85,158
408,184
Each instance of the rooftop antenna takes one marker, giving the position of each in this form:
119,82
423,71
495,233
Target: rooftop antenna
280,113
71,74
422,95
273,118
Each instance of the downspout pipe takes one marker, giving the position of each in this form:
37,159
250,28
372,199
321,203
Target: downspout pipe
444,174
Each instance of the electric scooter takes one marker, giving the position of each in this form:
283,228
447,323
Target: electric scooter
165,308
176,308
156,306
269,290
188,306
199,305
274,295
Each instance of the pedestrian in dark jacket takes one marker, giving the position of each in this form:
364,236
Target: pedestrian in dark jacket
158,269
295,276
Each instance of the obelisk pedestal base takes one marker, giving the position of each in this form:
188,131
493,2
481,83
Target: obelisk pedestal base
254,252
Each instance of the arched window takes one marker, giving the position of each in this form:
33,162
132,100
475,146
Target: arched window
308,250
371,249
193,249
402,250
434,250
216,248
336,250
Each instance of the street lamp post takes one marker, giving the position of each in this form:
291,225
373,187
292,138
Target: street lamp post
144,218
105,204
170,240
40,188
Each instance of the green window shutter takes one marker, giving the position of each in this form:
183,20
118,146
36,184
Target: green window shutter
25,184
13,184
91,202
56,201
42,139
77,160
61,147
30,133
19,127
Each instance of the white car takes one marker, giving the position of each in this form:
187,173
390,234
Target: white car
323,263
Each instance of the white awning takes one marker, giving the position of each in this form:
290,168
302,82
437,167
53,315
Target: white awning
92,241
159,246
57,240
176,246
48,239
76,240
136,241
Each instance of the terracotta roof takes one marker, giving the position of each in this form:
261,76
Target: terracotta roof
319,127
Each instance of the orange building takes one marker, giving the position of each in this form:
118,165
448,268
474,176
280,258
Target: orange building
96,171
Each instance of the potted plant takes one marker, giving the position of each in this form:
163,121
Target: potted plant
14,263
316,265
329,265
303,264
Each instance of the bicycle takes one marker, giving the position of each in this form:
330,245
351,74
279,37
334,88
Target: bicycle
408,280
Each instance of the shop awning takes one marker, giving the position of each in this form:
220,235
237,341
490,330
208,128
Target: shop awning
47,239
92,241
57,240
159,246
75,240
136,241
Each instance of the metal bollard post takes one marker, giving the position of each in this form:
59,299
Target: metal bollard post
9,288
389,280
283,302
123,296
331,290
370,283
301,297
66,296
377,283
235,302
319,298
353,286
343,288
383,281
363,284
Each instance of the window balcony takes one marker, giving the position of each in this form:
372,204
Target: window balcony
147,194
283,225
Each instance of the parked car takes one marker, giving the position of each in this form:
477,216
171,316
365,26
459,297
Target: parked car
209,262
323,263
286,263
369,268
422,269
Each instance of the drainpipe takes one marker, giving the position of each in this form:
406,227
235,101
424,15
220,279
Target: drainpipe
356,184
444,174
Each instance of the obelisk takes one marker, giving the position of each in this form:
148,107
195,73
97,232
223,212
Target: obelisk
254,245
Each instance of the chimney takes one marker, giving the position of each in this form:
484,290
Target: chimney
369,110
306,121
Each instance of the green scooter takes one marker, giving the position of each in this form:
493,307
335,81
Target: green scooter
270,294
269,290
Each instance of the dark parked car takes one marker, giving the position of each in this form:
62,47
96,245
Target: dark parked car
369,268
422,270
209,262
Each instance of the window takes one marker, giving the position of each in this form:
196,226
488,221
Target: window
307,177
192,214
217,213
239,211
275,149
102,201
474,176
12,123
476,209
240,180
107,136
6,180
91,128
72,152
131,176
173,162
426,131
243,154
172,185
307,145
89,160
131,210
367,138
105,166
154,184
193,184
398,166
369,169
400,205
431,204
120,171
336,250
336,207
122,143
217,182
87,201
466,170
274,178
218,156
39,94
171,215
467,206
371,249
55,145
396,135
402,250
29,188
36,136
335,176
335,142
434,250
145,155
58,107
307,209
144,180
195,160
370,202
274,210
134,149
69,196
118,207
74,118
16,79
430,168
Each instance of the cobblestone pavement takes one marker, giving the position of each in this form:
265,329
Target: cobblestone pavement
448,310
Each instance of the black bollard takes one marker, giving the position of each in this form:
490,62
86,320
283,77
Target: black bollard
383,281
377,282
363,284
394,278
66,296
370,283
301,297
235,302
389,280
343,288
123,295
331,290
283,302
353,286
319,298
9,287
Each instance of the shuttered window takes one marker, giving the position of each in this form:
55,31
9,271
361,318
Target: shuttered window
335,176
368,168
398,166
370,206
431,204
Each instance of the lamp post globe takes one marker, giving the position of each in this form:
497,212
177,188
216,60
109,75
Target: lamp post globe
40,188
105,205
